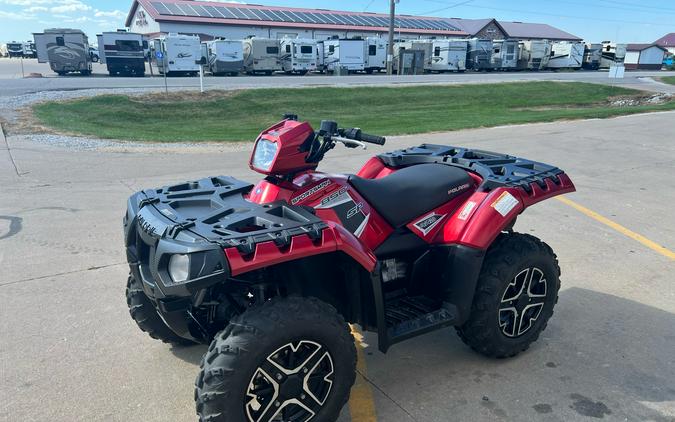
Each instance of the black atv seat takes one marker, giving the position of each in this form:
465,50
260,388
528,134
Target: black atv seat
412,191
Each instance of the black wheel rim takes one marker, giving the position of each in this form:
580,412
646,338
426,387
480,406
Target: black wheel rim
291,385
522,302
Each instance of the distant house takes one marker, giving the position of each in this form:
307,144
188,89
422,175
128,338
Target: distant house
495,30
644,56
667,42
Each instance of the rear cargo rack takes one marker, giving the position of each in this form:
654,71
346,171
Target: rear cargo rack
497,170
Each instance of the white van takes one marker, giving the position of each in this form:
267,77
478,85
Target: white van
375,55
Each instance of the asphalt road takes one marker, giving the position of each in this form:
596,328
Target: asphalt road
12,84
69,351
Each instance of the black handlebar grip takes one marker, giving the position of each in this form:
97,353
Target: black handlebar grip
373,139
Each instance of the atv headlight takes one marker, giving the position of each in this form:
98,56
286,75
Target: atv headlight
179,268
264,154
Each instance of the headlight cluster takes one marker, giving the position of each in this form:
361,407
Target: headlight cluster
179,268
264,154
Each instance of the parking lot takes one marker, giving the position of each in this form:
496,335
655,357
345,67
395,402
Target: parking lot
69,350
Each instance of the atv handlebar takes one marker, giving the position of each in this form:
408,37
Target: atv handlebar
357,135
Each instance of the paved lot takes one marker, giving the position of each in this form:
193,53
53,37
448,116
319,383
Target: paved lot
69,351
11,83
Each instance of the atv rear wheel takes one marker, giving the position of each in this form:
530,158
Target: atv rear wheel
516,292
290,359
143,312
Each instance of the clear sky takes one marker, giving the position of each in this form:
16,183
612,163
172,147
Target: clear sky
593,20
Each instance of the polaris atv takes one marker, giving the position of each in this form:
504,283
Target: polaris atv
270,274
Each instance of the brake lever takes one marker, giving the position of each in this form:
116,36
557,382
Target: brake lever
349,143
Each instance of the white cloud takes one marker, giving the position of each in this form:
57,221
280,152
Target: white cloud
70,6
34,9
110,14
16,16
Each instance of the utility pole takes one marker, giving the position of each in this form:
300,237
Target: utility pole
390,49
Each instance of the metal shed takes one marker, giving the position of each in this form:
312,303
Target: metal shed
644,56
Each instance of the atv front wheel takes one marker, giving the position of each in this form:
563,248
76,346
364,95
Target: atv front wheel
515,295
143,312
290,359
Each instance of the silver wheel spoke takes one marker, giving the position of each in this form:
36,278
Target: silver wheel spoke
522,302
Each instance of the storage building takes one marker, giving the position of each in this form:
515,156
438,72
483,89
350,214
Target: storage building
667,42
493,29
644,57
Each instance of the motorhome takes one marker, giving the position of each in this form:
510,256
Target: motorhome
534,55
298,55
122,52
224,57
29,50
566,55
66,50
346,54
178,54
479,54
612,54
592,56
448,56
14,49
375,54
261,55
504,54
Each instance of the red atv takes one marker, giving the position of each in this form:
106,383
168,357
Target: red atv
270,275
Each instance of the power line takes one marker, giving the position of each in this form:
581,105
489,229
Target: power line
370,3
637,5
462,3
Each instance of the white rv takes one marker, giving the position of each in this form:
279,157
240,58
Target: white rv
534,55
14,49
566,55
261,55
66,50
505,54
345,54
298,55
448,55
592,56
122,52
225,57
422,59
612,54
179,54
29,50
375,55
479,54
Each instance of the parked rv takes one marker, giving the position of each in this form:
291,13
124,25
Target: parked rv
179,54
298,55
224,57
448,56
14,49
479,54
3,50
66,50
534,55
29,50
375,55
343,54
414,63
592,56
566,55
504,54
261,55
612,54
123,53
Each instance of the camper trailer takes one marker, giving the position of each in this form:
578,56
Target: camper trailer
566,55
612,54
179,54
534,55
29,50
224,57
298,55
14,49
261,55
504,54
592,56
421,61
375,54
122,52
448,56
343,54
66,50
479,54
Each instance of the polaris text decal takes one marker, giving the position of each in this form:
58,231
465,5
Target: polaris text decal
426,224
458,188
310,192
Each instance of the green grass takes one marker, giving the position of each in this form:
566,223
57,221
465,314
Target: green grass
668,79
241,115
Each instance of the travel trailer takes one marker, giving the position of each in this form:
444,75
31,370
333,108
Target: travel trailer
504,54
261,55
179,54
422,60
479,54
3,50
534,55
29,50
592,56
375,55
343,54
448,56
224,57
612,54
298,55
14,49
566,55
66,50
122,52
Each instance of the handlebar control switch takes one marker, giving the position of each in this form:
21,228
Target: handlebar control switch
291,116
328,127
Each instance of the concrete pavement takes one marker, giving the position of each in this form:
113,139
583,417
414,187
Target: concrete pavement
69,351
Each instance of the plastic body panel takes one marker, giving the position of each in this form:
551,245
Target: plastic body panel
291,138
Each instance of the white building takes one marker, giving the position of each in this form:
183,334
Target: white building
644,57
